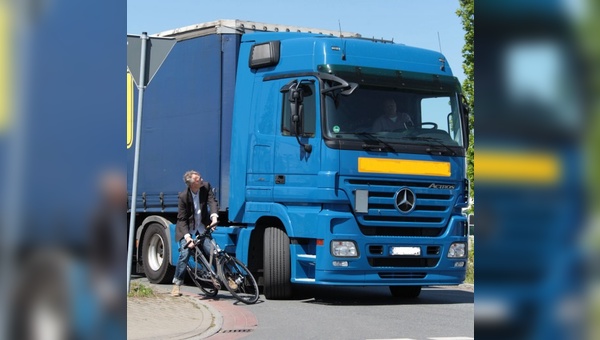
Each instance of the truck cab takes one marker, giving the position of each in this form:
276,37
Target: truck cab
354,204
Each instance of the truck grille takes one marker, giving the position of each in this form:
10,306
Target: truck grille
404,231
394,275
403,262
428,218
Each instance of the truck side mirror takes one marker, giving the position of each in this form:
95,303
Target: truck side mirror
297,114
296,109
296,97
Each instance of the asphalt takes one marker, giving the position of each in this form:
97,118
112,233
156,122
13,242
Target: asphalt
190,316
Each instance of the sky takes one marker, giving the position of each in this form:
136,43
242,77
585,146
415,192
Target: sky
410,22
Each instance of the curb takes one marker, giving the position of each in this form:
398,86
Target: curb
467,286
217,318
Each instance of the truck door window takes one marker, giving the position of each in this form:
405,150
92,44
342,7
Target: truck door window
435,110
308,124
440,112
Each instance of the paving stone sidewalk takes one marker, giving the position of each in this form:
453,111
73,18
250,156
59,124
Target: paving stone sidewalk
165,317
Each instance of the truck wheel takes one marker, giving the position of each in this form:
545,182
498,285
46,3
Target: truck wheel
156,255
277,284
405,291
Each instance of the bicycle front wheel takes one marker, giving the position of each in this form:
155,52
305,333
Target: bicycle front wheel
201,277
238,279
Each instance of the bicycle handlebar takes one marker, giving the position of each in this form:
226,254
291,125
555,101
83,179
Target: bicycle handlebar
206,233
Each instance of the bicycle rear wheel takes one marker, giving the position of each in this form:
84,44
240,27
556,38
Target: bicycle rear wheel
201,278
238,279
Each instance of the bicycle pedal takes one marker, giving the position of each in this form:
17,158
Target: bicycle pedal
215,283
232,284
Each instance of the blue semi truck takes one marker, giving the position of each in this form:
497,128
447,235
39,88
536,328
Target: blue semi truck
279,120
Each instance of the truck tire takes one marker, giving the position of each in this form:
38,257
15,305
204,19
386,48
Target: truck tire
277,273
405,291
156,255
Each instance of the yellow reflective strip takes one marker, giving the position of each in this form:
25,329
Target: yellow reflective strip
403,167
506,166
5,69
129,110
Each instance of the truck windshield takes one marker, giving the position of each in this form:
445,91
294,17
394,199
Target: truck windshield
398,112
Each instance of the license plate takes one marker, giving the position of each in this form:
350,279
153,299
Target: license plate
412,251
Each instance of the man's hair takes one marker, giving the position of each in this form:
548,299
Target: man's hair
187,177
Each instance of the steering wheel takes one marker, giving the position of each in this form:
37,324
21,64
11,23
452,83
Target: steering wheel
433,125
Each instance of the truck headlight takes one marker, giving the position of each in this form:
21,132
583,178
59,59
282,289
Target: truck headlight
457,250
344,249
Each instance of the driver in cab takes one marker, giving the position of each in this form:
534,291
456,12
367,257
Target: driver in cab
391,120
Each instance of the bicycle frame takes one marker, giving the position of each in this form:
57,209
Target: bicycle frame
230,271
200,258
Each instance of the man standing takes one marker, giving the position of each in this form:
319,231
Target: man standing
192,217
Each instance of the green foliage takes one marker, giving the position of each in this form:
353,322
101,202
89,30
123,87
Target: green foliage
470,278
467,14
588,29
139,290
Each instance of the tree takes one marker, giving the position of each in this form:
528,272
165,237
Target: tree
467,14
588,33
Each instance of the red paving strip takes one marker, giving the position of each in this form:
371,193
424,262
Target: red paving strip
238,321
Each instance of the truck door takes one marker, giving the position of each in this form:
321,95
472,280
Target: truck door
297,141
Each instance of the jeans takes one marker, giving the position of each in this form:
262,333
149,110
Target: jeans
208,247
184,257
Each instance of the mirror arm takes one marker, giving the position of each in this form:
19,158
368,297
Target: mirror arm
347,88
307,147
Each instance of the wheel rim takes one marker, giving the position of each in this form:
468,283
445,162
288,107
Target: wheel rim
156,252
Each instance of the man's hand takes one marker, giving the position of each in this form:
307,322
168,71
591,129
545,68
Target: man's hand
213,222
190,242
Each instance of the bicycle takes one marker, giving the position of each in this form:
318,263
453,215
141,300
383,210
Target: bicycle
231,272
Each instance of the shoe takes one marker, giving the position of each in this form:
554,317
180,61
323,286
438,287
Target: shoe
175,291
215,283
232,284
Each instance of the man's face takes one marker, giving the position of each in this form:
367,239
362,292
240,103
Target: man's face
389,108
196,182
114,188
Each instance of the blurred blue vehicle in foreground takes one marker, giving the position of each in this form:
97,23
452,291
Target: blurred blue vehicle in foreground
531,99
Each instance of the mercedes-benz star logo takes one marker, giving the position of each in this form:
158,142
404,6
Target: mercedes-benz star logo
405,200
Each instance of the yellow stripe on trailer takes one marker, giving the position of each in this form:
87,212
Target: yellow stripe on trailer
403,167
6,94
129,110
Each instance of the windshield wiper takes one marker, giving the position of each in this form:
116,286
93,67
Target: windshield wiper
432,150
377,146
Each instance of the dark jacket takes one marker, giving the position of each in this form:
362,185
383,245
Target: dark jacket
383,123
185,213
